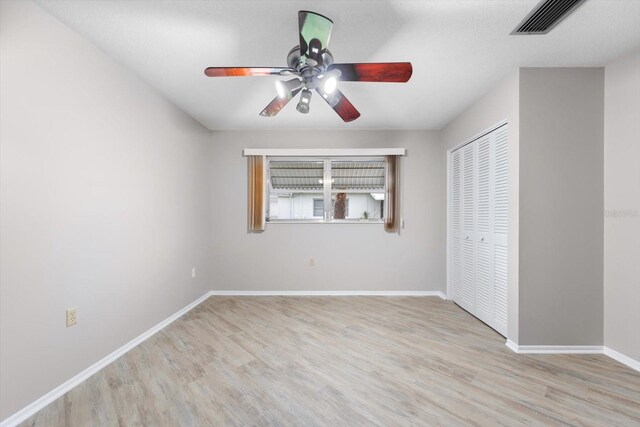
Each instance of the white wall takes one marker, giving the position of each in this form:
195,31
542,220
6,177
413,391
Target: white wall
104,205
498,105
347,256
561,201
622,206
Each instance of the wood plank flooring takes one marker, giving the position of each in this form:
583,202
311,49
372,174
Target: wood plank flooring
344,361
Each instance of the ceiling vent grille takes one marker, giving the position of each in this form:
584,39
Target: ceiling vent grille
546,15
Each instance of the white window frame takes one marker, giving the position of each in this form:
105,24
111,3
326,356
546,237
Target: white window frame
322,152
327,190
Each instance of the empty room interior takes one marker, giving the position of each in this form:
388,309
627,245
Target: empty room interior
319,213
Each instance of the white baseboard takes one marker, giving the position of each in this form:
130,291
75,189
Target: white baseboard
625,360
574,349
333,293
512,346
554,349
57,392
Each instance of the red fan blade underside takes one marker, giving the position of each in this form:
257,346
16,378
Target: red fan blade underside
340,105
387,72
247,71
346,110
277,104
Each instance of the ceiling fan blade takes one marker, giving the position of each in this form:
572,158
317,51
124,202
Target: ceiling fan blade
248,71
340,104
278,104
388,72
315,31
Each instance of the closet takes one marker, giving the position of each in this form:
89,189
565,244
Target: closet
477,227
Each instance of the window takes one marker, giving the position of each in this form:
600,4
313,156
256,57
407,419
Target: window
326,189
293,187
318,207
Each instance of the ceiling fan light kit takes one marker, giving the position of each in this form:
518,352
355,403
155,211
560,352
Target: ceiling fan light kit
285,89
305,100
313,68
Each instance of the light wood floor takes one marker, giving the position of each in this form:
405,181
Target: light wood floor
344,361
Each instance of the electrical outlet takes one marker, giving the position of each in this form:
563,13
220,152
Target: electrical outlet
193,272
312,262
72,319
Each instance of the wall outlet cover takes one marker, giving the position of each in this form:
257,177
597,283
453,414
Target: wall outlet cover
72,318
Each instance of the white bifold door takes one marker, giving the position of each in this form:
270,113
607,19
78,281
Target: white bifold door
478,228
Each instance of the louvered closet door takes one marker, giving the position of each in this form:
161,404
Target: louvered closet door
478,228
484,237
455,225
500,228
468,227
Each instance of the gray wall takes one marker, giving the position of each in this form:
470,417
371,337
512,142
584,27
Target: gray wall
347,256
103,205
498,105
561,201
622,206
556,197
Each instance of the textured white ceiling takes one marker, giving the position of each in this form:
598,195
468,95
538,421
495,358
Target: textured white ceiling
459,50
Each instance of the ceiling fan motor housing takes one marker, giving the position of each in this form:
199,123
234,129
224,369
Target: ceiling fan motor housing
305,70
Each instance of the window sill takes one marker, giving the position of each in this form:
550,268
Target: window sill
319,221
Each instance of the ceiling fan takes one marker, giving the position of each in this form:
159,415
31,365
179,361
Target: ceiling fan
312,66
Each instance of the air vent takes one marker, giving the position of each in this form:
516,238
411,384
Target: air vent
546,15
